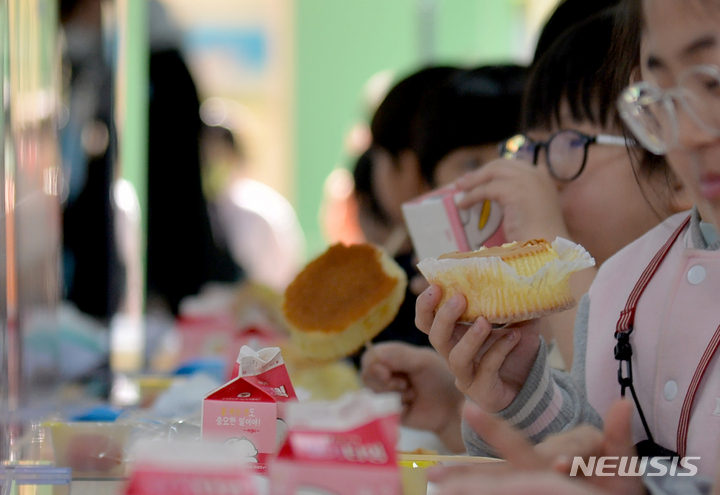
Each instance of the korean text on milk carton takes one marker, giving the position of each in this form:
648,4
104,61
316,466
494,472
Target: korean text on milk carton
247,412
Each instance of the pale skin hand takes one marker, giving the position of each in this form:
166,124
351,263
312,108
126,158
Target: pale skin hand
490,366
528,195
546,462
429,398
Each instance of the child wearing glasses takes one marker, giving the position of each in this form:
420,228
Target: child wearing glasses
395,168
587,191
649,327
572,176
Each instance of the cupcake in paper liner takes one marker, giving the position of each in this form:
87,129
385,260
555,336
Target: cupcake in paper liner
510,283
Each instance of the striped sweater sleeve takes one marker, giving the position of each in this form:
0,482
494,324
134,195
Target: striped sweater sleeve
550,401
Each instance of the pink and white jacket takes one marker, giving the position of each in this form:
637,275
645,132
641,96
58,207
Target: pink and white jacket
678,316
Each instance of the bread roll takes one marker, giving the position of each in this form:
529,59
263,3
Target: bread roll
342,299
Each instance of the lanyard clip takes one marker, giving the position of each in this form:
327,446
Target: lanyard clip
623,353
625,381
623,349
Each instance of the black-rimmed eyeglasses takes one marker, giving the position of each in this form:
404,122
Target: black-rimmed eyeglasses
565,151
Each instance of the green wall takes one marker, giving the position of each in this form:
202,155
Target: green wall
476,31
133,152
342,43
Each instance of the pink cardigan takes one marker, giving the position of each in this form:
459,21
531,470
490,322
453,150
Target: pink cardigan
677,317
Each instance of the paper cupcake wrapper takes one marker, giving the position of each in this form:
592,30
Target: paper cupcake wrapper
496,290
571,258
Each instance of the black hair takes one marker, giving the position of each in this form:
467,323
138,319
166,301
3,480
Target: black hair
625,49
67,8
567,14
571,71
391,123
578,69
364,191
472,108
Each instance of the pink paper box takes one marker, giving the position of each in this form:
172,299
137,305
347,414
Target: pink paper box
437,226
335,461
247,412
179,468
220,335
151,481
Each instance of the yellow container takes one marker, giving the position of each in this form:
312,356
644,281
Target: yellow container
414,481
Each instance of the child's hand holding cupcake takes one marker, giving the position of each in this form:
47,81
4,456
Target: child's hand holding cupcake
514,285
490,366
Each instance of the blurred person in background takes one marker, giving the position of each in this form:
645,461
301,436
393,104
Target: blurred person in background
396,170
372,219
459,124
181,252
257,223
567,13
92,269
339,214
387,175
455,126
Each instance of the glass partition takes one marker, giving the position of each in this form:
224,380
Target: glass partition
30,221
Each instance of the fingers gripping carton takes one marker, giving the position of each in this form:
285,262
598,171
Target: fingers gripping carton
437,226
247,412
340,448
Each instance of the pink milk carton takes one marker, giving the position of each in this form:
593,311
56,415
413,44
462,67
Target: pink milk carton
437,226
184,468
220,335
340,448
247,412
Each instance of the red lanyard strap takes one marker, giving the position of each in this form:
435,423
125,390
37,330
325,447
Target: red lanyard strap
684,422
626,322
623,350
627,316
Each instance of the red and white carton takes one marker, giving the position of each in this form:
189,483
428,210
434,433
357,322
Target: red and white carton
184,468
247,412
437,226
340,448
220,335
